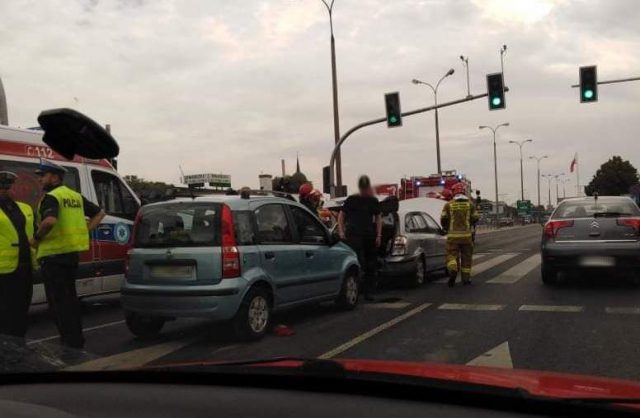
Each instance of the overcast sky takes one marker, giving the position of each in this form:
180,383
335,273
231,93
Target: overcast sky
234,86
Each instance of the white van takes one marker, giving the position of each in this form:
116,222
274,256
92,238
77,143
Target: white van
102,267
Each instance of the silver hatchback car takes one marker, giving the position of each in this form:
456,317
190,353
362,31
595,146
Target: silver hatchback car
232,258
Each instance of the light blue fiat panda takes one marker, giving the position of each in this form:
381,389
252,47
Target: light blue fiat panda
232,258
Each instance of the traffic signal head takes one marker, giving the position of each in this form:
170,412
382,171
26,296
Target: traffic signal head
392,106
495,90
588,84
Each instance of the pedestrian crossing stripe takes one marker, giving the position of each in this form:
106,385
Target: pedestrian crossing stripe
518,271
470,307
551,308
486,265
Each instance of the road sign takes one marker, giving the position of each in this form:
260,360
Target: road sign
214,180
524,207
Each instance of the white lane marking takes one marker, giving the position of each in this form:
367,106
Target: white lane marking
390,305
518,271
470,307
363,337
499,356
551,308
132,359
486,265
623,310
55,337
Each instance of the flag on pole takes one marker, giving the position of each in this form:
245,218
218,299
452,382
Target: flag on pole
574,162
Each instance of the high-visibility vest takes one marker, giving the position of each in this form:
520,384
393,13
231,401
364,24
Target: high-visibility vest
70,233
9,241
460,214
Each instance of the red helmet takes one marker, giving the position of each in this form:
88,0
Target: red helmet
446,194
459,188
305,190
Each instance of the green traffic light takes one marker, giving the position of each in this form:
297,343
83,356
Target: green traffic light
496,101
588,94
393,119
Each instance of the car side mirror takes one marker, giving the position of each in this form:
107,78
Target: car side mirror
334,238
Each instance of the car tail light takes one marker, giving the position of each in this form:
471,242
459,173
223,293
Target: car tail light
399,245
551,228
230,253
632,222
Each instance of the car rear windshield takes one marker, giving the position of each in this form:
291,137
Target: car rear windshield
184,224
600,207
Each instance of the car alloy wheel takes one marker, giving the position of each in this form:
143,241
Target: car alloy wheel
351,290
420,271
258,315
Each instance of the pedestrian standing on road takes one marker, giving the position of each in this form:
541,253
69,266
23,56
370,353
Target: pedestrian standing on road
458,218
360,225
63,232
17,224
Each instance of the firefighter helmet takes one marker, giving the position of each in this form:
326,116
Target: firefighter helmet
459,188
446,194
305,190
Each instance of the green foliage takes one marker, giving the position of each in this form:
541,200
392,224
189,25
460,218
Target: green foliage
613,178
147,190
289,184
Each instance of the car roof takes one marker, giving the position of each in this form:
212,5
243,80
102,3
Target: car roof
592,198
235,202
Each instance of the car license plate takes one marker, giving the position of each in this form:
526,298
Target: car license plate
169,272
597,261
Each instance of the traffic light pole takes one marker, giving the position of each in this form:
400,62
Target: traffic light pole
346,135
619,80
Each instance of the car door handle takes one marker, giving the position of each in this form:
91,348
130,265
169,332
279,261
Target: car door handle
269,255
309,254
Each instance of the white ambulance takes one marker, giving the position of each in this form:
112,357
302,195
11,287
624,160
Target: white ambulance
102,267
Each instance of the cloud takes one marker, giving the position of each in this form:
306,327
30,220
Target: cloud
233,87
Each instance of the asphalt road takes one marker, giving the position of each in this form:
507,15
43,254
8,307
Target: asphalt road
506,318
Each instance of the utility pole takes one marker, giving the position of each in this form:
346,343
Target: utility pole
334,82
465,63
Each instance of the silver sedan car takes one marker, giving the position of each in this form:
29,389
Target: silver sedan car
599,234
413,245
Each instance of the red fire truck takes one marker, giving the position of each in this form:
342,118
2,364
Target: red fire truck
432,185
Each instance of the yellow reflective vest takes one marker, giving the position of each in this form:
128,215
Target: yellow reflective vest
458,217
70,233
9,241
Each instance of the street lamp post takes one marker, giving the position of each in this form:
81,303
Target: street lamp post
465,62
503,51
520,144
557,177
435,97
334,82
548,177
495,162
538,167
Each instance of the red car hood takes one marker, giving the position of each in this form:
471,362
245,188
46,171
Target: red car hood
537,383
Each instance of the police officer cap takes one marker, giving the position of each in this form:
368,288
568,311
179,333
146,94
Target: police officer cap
7,178
47,166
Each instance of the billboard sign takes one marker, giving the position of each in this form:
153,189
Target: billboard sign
214,180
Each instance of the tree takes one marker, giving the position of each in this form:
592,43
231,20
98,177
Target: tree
289,184
613,178
147,190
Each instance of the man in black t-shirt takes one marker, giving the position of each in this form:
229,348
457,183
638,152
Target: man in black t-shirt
360,225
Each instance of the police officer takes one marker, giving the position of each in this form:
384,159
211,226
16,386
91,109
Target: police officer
16,229
360,224
62,234
457,218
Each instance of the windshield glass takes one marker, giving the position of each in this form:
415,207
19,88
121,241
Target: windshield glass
180,224
441,182
600,207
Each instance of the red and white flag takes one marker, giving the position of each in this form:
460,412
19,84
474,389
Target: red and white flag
574,162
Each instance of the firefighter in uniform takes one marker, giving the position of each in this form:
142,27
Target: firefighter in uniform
16,230
62,234
458,217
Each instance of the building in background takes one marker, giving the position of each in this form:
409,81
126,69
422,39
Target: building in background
266,182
